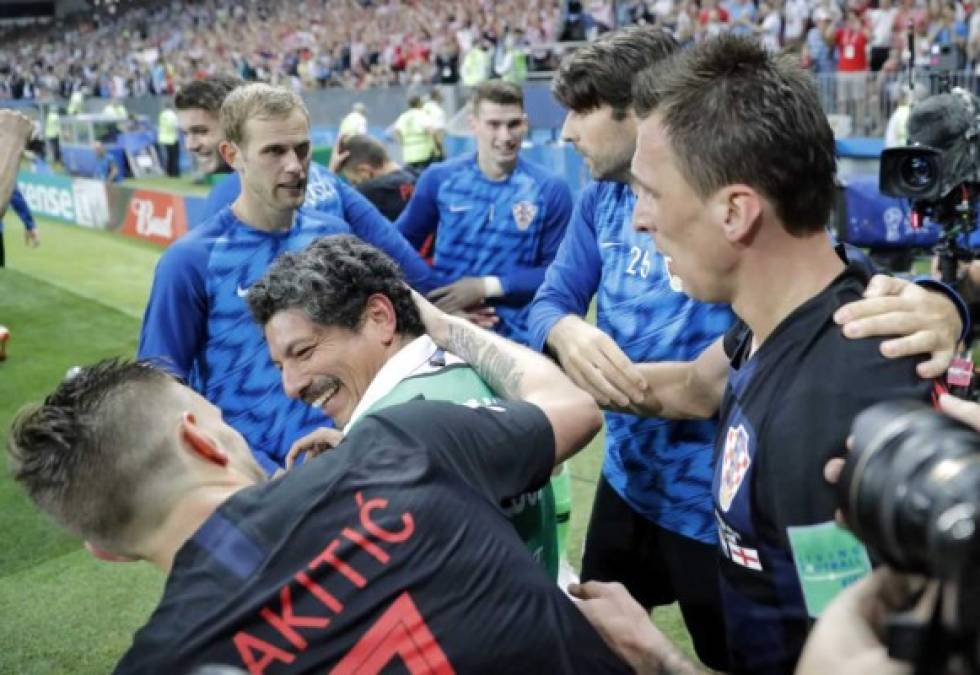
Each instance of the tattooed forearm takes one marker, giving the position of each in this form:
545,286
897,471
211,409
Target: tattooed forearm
487,354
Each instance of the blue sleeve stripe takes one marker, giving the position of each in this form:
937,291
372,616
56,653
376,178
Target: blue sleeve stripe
229,546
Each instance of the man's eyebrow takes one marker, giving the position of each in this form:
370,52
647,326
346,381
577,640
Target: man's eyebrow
635,181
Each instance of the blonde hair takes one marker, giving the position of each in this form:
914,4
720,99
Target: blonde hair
256,101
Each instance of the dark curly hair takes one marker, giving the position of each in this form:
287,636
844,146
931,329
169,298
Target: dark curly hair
331,280
602,72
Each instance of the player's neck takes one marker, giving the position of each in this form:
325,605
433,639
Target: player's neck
258,215
799,267
188,515
495,170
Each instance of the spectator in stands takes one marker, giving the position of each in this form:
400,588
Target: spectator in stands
476,64
851,40
364,163
770,26
576,25
908,14
713,18
447,63
500,218
196,321
882,33
395,44
741,17
950,33
796,14
818,53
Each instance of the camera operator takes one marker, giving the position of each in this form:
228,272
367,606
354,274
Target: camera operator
939,173
848,638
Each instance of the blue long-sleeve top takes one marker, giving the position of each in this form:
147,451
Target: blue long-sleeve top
326,193
509,228
661,468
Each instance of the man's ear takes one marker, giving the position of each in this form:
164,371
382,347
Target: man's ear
102,554
381,315
230,153
741,209
199,442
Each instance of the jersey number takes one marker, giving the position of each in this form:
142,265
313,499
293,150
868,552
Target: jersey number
639,262
400,633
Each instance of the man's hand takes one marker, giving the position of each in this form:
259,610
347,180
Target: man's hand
927,322
596,363
846,639
966,412
337,157
15,130
626,627
31,238
459,295
314,443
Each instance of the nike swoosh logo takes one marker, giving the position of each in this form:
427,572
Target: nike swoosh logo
610,244
458,208
241,292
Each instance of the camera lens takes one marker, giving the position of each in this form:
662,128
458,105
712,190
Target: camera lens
918,172
911,487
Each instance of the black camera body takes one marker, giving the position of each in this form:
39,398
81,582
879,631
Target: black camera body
910,490
917,172
943,151
939,173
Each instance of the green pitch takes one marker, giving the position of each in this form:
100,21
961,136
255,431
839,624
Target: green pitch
76,299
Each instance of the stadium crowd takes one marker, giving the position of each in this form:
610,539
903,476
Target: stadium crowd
151,48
